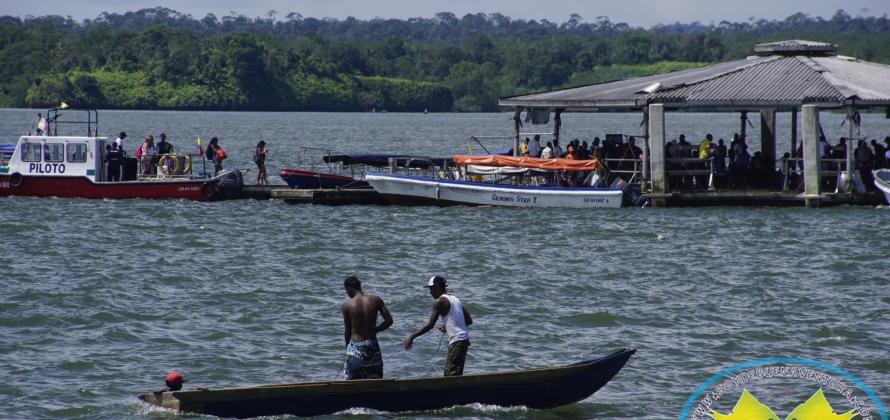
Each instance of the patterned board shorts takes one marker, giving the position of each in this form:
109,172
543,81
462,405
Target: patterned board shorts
457,355
363,360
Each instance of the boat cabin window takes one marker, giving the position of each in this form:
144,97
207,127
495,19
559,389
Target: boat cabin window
31,152
77,152
54,152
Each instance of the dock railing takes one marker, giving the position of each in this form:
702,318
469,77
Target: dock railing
830,174
621,167
687,170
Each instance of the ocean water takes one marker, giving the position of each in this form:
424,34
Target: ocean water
100,298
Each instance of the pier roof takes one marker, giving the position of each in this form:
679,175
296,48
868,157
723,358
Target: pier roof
791,74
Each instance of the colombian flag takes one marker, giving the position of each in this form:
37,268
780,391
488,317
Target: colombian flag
200,147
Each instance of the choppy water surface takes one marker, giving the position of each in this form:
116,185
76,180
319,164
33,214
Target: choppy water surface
100,298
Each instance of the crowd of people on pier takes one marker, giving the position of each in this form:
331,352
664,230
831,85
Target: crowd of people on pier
755,170
581,150
729,165
615,154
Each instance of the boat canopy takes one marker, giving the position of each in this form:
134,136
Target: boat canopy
382,160
528,162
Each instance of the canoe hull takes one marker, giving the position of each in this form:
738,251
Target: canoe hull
535,388
408,190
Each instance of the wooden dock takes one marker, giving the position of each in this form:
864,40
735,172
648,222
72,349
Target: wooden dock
330,197
751,197
747,197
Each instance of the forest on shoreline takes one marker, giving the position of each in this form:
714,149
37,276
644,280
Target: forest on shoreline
161,59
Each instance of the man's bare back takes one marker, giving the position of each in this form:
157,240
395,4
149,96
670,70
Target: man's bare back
360,317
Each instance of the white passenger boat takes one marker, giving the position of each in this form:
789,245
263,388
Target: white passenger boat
469,188
882,181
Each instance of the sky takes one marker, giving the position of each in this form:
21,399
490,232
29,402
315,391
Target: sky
634,12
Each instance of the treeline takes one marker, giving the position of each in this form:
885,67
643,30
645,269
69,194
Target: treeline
159,58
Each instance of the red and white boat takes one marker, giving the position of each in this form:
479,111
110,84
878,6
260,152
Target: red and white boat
74,167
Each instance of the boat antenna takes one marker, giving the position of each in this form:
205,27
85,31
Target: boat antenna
432,362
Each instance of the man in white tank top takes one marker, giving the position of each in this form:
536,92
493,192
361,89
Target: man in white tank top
456,319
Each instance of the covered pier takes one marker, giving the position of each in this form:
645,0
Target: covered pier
803,78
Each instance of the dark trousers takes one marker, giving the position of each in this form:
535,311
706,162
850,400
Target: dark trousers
457,355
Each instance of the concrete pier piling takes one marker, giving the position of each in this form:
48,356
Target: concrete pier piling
811,161
656,154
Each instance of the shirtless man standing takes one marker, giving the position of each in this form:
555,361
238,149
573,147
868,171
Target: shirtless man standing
363,359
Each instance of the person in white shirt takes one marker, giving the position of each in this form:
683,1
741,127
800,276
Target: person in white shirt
456,319
119,141
824,148
547,153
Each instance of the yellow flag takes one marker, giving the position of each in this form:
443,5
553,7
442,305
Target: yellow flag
63,105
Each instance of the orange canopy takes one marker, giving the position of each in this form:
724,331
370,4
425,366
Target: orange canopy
528,162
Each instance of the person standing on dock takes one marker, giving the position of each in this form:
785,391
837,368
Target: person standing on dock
259,158
547,152
217,155
363,358
456,319
557,149
534,147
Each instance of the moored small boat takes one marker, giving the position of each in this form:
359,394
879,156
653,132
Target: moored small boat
540,388
882,181
297,178
414,190
347,171
513,182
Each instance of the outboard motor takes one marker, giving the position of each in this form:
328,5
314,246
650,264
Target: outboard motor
632,194
230,185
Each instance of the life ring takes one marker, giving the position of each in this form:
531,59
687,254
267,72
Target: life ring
187,164
174,169
16,180
208,189
181,165
162,165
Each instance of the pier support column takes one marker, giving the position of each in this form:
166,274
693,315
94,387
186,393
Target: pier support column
517,123
793,133
655,124
644,176
848,182
811,164
768,137
557,123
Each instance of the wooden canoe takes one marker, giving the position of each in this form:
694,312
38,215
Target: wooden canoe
539,388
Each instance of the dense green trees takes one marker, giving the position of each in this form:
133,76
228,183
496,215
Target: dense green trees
159,58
